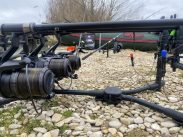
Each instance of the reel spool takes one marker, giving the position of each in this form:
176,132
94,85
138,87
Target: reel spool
75,62
14,84
60,67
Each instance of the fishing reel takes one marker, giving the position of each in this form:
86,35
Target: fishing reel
24,84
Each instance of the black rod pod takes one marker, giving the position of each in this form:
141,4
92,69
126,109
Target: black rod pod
14,84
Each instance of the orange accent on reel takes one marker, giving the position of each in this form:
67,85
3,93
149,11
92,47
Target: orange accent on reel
71,48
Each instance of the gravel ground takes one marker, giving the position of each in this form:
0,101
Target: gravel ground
68,115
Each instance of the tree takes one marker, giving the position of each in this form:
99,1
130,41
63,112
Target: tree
92,10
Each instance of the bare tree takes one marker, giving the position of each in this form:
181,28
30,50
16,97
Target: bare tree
92,10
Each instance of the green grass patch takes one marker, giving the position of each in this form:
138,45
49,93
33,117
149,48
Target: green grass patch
7,115
67,113
181,75
64,128
51,103
31,125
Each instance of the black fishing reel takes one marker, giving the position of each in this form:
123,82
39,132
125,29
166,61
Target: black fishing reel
24,84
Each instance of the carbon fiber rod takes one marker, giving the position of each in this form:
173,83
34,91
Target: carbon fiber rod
177,116
121,26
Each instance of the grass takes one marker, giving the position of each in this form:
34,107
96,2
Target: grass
51,103
181,75
31,125
7,116
63,128
67,113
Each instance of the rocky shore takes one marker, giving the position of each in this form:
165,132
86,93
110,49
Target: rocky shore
82,116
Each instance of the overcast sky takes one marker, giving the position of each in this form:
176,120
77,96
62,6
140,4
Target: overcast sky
19,11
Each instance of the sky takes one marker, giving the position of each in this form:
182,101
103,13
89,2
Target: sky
24,11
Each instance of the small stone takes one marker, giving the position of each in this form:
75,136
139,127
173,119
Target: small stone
132,126
147,124
24,135
127,121
164,131
50,113
54,132
40,129
138,120
114,123
117,115
32,135
157,118
59,124
155,126
99,122
17,115
174,130
172,99
113,131
79,128
96,108
119,134
56,117
68,120
2,129
76,115
15,126
14,132
181,131
168,124
123,129
39,135
48,134
76,133
67,132
96,134
149,120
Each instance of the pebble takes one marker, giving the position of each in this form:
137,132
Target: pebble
14,132
127,121
174,130
138,120
99,122
54,132
165,131
113,131
168,124
67,132
32,135
172,99
76,133
50,113
48,134
15,126
59,124
155,126
149,120
117,115
115,123
132,126
96,134
24,135
56,117
39,135
40,129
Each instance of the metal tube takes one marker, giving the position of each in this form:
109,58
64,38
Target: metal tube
177,116
152,86
80,92
121,26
